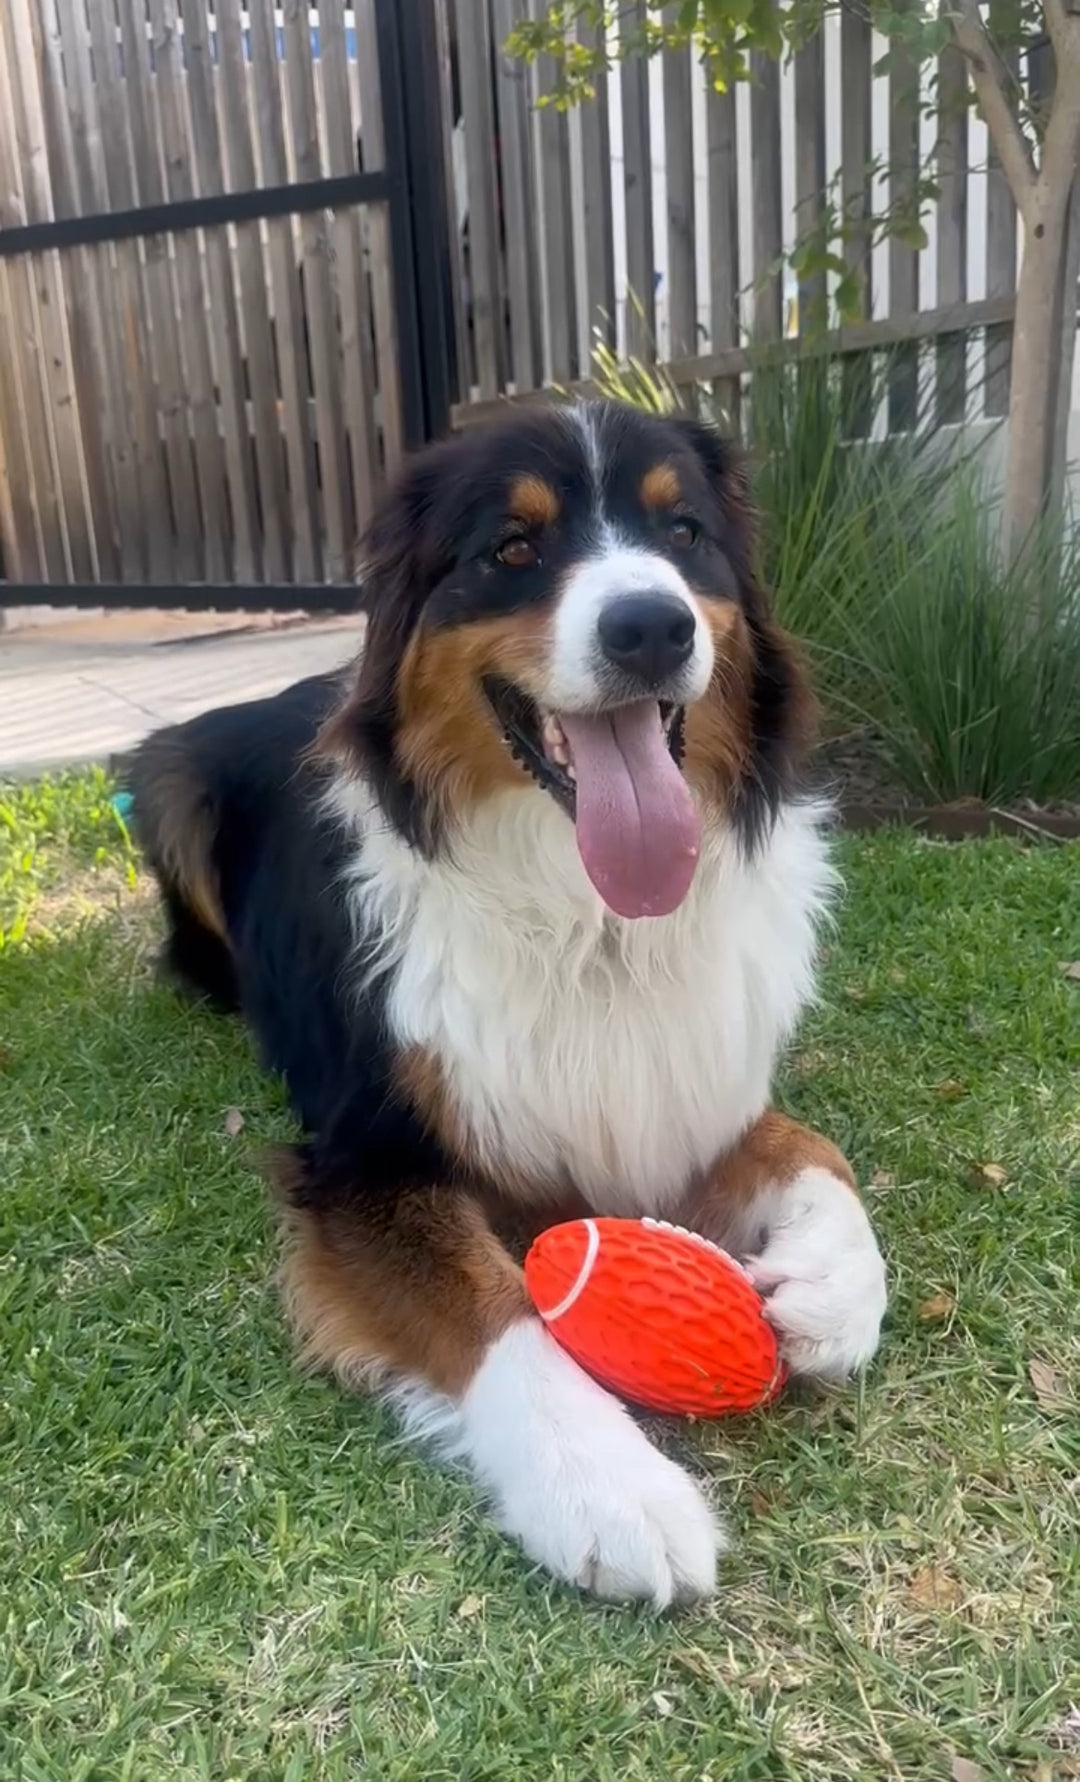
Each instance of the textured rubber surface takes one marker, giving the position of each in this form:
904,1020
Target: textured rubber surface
661,1316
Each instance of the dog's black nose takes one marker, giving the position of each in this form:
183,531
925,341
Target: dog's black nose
647,635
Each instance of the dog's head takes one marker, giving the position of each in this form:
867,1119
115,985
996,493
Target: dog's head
565,603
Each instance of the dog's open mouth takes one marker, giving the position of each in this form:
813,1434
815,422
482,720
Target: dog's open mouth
617,775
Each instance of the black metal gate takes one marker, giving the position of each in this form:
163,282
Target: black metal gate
407,190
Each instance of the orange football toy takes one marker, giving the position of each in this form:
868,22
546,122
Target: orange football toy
658,1314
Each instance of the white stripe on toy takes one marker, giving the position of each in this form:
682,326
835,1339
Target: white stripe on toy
578,1288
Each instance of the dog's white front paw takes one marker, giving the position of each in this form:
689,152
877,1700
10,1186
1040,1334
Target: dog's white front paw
577,1483
824,1277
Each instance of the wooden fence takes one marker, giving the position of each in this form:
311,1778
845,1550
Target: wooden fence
218,403
193,404
656,218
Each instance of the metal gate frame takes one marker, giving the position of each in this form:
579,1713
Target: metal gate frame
410,183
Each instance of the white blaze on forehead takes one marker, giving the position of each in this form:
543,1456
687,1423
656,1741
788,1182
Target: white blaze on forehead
615,568
584,419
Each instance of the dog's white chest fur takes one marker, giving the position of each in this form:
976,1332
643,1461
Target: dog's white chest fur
620,1058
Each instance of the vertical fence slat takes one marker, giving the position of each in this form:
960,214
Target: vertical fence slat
77,272
191,290
22,539
10,554
474,68
767,196
45,272
856,195
952,230
288,302
903,258
233,105
16,510
373,143
724,273
518,201
637,182
679,167
357,360
810,173
26,348
80,274
1000,249
597,228
109,282
21,536
29,368
41,530
159,296
135,342
448,120
320,318
551,154
107,181
224,327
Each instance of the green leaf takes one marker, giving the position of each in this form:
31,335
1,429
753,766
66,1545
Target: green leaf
847,297
910,232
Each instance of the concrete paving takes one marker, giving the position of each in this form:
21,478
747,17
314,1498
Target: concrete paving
69,701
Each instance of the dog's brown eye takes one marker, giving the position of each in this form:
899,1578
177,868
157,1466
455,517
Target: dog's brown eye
682,534
517,553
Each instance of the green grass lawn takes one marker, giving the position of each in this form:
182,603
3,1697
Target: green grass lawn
211,1567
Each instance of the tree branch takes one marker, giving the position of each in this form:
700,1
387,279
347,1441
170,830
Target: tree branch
1063,29
991,80
1060,142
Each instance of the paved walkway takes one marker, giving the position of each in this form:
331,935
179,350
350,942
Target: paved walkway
68,700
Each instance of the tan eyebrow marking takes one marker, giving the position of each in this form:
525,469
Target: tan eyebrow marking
534,501
660,486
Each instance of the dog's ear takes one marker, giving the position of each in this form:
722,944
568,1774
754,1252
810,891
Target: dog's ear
725,467
782,706
401,559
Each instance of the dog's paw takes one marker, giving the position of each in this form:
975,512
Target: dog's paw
577,1483
823,1277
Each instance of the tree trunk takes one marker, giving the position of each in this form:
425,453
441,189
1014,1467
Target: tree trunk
1032,388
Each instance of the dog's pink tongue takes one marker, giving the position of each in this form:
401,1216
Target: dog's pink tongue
638,833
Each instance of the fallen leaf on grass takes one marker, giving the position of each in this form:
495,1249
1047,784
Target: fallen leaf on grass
699,1664
963,1770
938,1306
882,1178
1070,968
780,1675
663,1703
1050,1389
949,1089
932,1587
988,1175
234,1122
469,1606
